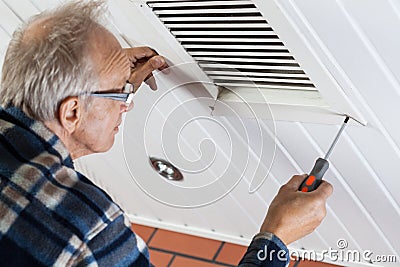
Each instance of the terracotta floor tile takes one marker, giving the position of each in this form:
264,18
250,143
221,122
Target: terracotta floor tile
143,231
231,254
160,259
185,244
187,262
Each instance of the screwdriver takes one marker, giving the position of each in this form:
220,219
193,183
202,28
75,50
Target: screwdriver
314,179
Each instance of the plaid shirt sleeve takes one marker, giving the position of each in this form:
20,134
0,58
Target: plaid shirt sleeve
114,246
266,250
51,215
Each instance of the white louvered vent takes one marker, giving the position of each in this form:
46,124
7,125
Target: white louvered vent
234,45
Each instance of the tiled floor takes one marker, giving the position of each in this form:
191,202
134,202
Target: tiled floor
172,249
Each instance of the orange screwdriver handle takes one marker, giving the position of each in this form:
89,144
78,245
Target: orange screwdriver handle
313,180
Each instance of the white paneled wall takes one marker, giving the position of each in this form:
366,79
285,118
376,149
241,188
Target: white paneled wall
357,41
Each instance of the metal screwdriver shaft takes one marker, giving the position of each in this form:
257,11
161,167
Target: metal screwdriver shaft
313,180
336,139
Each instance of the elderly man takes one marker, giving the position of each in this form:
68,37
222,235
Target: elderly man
66,82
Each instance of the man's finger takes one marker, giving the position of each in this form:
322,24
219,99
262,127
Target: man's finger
142,72
151,82
294,183
158,62
136,53
324,189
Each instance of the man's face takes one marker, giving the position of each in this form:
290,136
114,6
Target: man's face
101,120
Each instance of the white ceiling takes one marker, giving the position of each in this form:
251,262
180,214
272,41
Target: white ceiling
356,41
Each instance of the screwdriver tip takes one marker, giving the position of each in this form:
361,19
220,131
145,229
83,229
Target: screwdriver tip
354,119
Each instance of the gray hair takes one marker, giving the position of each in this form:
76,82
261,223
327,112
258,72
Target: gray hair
40,72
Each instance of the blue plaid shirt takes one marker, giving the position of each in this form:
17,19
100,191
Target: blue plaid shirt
50,214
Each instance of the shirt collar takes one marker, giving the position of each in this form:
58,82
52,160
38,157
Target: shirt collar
39,131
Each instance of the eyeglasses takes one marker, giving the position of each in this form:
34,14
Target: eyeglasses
126,96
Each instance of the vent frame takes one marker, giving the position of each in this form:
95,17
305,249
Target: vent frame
219,38
152,32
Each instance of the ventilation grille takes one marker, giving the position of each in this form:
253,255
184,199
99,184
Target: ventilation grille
233,44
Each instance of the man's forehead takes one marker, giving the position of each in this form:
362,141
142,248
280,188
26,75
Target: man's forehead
102,42
109,59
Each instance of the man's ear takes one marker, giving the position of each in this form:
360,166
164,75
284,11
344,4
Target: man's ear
69,113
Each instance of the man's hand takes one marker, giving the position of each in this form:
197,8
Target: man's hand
143,61
294,214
